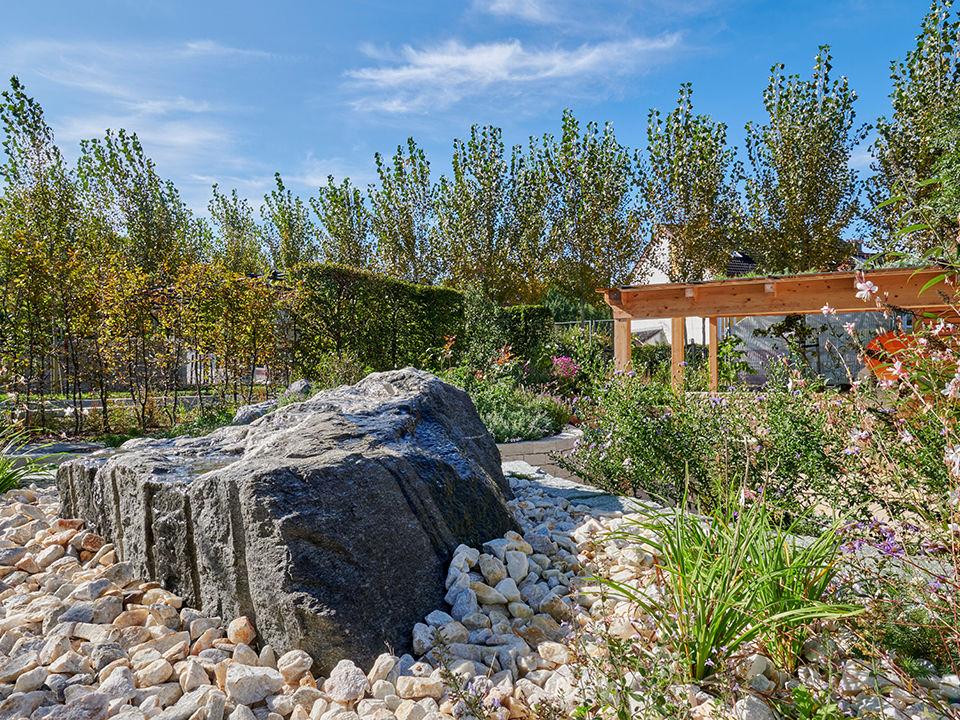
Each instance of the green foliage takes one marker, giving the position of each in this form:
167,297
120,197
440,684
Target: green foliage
332,370
488,329
12,471
528,328
509,412
919,140
239,240
690,189
731,361
159,230
115,440
288,230
566,310
807,704
343,212
912,630
492,229
403,217
731,578
372,320
197,422
644,437
483,335
596,232
803,194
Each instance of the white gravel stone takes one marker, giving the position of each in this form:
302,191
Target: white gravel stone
752,708
346,682
246,685
293,664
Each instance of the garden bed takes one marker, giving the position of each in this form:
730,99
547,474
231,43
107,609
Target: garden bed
540,453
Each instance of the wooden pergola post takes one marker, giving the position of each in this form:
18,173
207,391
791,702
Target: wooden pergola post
622,344
713,342
677,353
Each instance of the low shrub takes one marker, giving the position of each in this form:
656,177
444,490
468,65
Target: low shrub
645,437
509,412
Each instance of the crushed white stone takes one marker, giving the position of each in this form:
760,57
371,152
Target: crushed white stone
82,639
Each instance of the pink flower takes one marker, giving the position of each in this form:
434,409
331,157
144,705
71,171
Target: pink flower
565,367
850,328
827,310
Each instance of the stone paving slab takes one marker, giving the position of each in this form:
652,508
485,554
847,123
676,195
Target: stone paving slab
573,491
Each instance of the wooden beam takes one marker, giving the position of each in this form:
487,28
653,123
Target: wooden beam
622,344
713,344
799,294
676,350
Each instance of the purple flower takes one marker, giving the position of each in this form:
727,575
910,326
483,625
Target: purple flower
852,546
935,583
932,547
890,548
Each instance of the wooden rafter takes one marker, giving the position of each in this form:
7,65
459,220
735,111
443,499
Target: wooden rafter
774,295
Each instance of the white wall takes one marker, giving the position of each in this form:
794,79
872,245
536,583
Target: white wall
696,326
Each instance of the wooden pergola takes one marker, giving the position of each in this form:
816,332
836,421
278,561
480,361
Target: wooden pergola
756,296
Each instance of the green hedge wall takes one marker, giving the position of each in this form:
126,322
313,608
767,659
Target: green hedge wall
382,323
528,328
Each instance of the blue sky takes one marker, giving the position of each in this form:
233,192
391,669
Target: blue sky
233,92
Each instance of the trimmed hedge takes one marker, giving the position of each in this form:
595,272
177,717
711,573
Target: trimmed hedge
380,322
528,328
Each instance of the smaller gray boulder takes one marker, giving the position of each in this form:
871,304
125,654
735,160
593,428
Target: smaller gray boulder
246,414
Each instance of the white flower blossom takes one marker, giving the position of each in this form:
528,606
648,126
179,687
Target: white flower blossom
951,456
858,435
952,388
865,290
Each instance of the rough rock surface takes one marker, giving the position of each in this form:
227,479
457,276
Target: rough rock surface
246,414
329,523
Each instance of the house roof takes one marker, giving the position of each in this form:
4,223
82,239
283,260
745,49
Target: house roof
645,336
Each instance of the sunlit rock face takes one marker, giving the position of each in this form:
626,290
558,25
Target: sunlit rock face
328,522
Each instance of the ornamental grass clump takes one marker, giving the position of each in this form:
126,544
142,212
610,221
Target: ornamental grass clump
12,471
731,578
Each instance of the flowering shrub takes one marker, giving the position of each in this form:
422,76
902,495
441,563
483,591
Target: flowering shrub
644,438
565,367
509,411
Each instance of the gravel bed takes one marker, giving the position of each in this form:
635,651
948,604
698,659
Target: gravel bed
81,638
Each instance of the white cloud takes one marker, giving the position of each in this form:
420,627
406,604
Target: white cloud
435,78
315,171
530,10
211,48
141,88
861,158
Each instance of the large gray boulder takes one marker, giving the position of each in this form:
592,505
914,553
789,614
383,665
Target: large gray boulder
328,522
